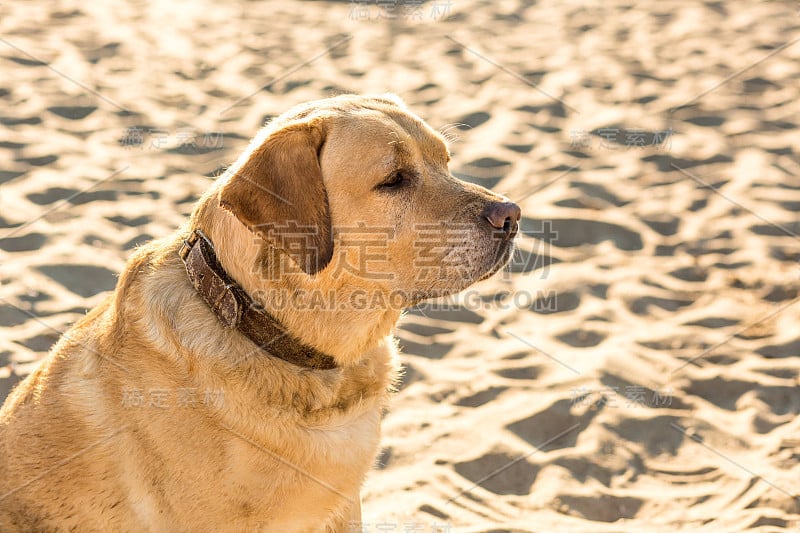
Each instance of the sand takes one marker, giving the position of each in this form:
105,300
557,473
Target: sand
635,369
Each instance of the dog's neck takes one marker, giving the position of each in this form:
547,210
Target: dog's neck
332,325
236,310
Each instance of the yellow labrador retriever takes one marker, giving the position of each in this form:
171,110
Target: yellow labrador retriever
236,377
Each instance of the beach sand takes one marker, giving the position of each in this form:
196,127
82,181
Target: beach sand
635,369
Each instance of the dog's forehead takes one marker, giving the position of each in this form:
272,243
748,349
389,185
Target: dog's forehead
392,127
369,116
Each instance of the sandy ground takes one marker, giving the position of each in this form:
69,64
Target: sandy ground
635,370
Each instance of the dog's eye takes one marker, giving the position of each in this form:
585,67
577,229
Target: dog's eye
396,180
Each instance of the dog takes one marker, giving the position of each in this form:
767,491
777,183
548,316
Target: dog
236,378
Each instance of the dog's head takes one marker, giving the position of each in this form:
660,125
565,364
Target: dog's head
358,187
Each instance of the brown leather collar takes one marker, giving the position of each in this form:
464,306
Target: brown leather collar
235,309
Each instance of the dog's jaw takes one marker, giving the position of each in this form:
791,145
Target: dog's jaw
505,258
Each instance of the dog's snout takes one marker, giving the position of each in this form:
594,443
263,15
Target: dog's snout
503,216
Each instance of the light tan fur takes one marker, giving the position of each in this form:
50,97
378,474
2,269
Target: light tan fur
277,447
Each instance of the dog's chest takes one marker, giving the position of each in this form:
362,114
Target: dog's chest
302,474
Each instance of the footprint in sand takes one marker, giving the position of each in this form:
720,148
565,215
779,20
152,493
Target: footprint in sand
524,261
409,375
637,395
554,109
23,243
137,241
600,507
431,510
14,121
500,472
595,191
450,313
94,196
520,372
770,230
714,322
725,393
38,161
582,338
774,499
782,293
83,280
666,225
667,163
692,273
625,137
560,302
429,349
8,175
39,343
11,316
130,221
482,397
427,94
645,305
51,195
767,521
787,349
656,433
571,232
489,163
486,172
472,120
519,148
8,383
424,329
706,120
94,55
541,427
72,112
758,85
785,372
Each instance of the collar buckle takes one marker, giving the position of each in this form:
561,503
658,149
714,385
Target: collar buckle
189,243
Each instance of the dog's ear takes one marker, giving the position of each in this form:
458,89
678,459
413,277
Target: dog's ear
276,190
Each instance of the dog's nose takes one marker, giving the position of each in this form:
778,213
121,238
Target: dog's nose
503,216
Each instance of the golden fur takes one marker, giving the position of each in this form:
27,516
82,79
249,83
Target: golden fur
84,446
